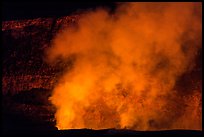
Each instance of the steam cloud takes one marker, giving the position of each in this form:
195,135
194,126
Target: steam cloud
126,67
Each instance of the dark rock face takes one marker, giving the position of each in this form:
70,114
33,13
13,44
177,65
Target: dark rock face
24,44
27,79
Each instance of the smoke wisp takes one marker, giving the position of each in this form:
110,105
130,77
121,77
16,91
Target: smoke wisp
126,67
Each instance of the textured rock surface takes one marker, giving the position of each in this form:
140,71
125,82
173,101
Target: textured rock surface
24,43
27,79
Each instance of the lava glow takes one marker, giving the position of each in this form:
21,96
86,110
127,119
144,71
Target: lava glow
125,68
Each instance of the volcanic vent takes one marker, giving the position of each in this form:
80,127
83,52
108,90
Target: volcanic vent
138,67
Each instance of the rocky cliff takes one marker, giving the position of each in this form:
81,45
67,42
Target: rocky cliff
27,80
24,44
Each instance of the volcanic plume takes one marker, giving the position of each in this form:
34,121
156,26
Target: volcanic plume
126,68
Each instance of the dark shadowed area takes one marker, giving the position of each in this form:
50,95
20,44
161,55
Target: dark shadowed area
35,9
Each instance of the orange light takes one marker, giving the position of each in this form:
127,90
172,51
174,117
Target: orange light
126,68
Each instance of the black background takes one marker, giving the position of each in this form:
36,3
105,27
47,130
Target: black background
17,10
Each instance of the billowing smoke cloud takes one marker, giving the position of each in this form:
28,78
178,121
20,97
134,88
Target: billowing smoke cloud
126,67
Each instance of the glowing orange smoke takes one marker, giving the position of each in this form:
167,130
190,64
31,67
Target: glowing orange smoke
126,67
